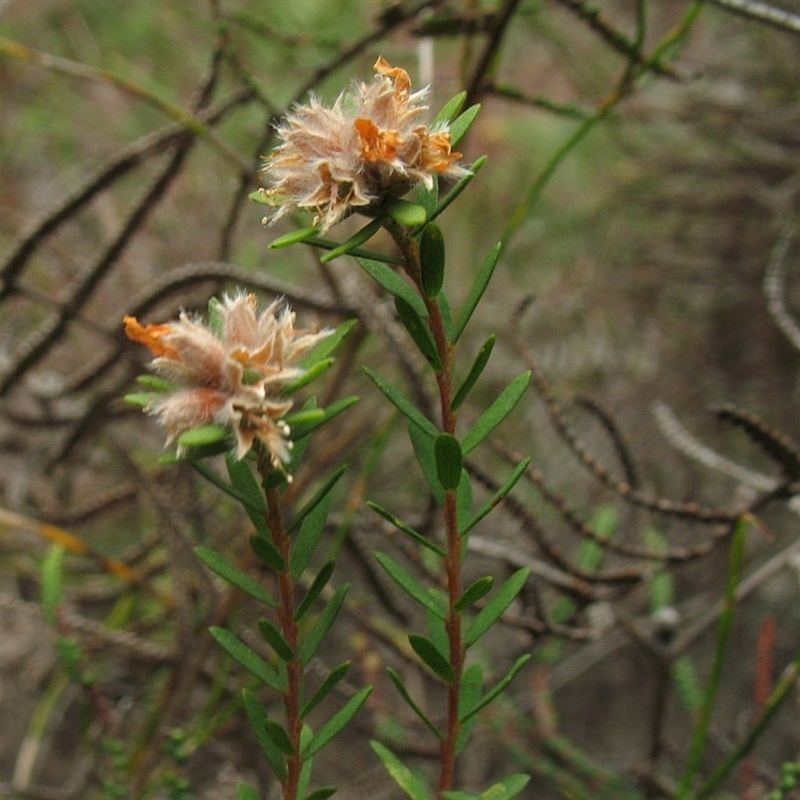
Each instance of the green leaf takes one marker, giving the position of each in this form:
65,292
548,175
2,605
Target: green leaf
273,637
52,581
320,582
403,528
418,331
309,376
409,781
264,198
234,576
317,498
432,260
394,284
450,109
423,450
497,689
502,790
329,344
462,123
215,480
307,540
481,360
248,658
459,187
403,404
323,793
317,634
139,399
478,288
155,383
204,436
464,504
499,495
474,592
278,736
327,686
469,696
267,553
305,427
258,720
409,214
398,683
356,240
249,491
358,252
431,656
437,633
449,460
295,237
245,792
409,584
428,198
495,607
497,412
335,724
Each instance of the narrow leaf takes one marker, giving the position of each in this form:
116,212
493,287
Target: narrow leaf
494,609
204,436
409,584
403,404
317,634
258,721
356,240
499,495
408,214
267,553
505,789
393,283
248,658
323,793
307,540
155,383
437,633
432,260
481,360
478,288
462,123
497,411
329,344
278,736
410,782
474,592
245,792
469,696
450,110
140,399
449,460
423,450
52,581
309,376
358,252
234,576
336,723
323,576
328,685
406,529
431,656
273,637
418,331
295,237
304,428
462,184
215,480
398,683
245,485
498,688
317,498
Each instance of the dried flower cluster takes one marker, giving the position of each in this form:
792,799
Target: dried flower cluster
370,144
231,374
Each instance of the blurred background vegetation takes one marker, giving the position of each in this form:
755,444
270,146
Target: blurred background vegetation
130,137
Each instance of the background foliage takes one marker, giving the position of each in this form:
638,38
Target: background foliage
126,156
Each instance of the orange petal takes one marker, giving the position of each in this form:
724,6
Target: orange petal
376,145
150,336
400,77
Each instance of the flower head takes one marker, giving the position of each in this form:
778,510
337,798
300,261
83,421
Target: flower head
230,373
369,144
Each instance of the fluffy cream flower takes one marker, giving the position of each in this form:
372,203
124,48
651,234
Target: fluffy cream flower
370,144
231,376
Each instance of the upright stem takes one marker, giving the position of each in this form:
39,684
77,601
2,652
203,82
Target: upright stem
452,564
289,629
